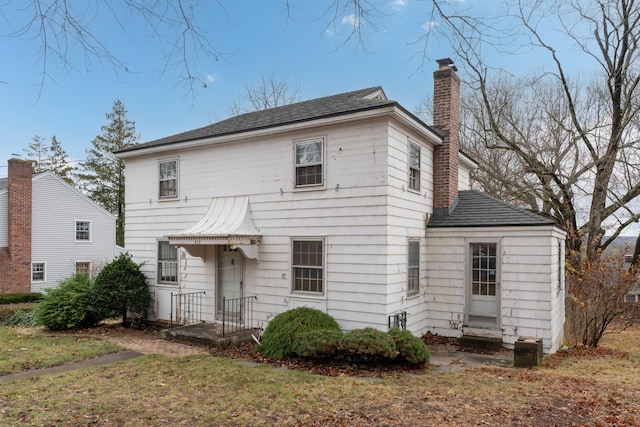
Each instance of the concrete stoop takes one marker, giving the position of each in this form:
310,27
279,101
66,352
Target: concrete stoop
480,344
207,334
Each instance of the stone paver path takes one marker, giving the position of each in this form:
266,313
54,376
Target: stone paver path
151,345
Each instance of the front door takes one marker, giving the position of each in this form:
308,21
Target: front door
483,285
229,276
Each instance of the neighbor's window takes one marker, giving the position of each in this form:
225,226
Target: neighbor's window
167,263
168,179
37,272
309,159
414,166
83,231
308,265
83,267
413,267
483,268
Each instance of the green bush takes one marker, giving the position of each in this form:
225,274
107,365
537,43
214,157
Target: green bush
22,319
411,349
282,330
67,306
320,343
120,287
368,345
20,298
8,310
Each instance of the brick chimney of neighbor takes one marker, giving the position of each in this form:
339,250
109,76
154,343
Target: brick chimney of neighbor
446,118
15,260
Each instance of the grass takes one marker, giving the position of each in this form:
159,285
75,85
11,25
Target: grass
24,349
590,388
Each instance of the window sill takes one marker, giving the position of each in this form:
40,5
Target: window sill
168,199
317,295
413,295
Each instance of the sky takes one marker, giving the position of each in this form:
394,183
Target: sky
255,38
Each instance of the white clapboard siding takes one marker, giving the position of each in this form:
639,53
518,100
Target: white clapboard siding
365,235
528,304
56,206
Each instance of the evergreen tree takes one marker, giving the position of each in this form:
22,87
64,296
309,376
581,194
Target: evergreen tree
50,158
103,174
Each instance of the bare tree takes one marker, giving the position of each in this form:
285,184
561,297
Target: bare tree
62,28
576,142
272,91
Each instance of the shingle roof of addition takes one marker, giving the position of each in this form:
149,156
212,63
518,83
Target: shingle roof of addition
477,209
335,105
4,183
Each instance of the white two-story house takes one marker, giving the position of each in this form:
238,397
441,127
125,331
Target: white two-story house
349,204
49,231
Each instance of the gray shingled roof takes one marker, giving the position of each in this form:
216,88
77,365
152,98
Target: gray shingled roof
4,183
476,209
344,103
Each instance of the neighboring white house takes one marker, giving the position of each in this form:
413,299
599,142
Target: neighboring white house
69,232
349,204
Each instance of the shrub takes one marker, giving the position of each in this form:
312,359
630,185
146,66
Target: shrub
282,330
320,343
22,319
67,306
120,287
368,345
20,298
411,349
8,310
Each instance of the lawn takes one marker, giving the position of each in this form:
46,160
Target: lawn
24,349
573,389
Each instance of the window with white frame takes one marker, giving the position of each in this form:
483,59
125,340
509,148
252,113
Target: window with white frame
414,166
168,179
83,267
308,265
37,271
413,267
83,231
309,161
167,263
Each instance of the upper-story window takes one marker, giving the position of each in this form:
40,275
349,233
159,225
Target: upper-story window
168,179
83,231
309,161
414,166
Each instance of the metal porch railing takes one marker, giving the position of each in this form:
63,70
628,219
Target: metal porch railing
237,314
188,308
398,320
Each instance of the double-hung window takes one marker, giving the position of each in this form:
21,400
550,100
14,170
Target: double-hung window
414,166
413,267
309,160
83,267
168,179
83,231
37,272
167,263
308,265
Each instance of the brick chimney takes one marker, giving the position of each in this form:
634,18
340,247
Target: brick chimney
446,118
15,260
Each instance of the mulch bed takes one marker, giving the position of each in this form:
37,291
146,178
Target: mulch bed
331,367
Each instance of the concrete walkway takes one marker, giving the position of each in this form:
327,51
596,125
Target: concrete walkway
445,358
